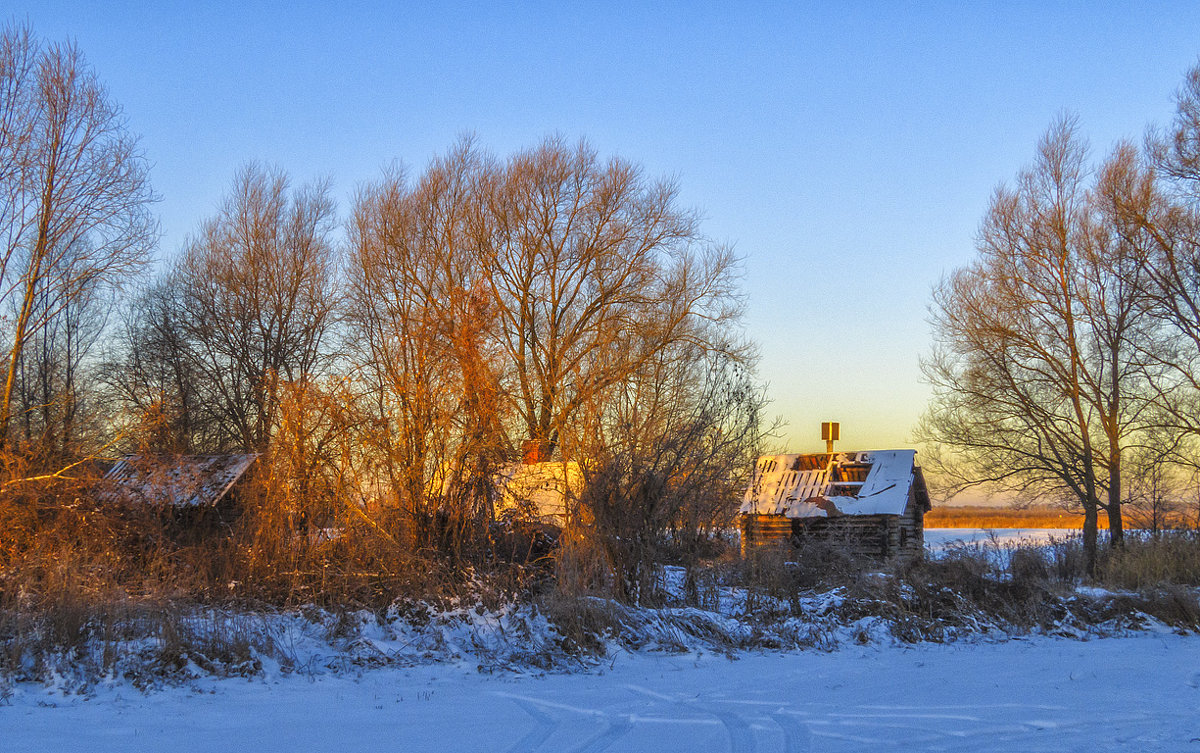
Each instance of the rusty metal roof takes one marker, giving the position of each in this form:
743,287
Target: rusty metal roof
176,480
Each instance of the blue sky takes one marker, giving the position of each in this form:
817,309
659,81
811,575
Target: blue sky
848,151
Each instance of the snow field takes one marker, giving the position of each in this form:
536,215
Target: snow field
940,539
1138,693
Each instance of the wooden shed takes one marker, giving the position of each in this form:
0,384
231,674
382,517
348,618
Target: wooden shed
871,502
196,492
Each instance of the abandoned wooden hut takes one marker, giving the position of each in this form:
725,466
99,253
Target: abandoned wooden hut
197,492
872,503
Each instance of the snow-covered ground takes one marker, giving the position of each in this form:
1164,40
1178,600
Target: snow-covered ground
1138,693
940,539
465,678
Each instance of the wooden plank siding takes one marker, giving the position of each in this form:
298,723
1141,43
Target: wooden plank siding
871,537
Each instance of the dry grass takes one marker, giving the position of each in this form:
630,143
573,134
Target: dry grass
1004,517
989,587
87,583
1171,559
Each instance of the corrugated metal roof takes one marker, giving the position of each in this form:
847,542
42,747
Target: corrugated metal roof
176,480
875,482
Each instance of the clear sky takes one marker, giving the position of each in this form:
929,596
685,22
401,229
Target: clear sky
847,150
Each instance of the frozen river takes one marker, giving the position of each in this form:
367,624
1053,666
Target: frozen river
939,539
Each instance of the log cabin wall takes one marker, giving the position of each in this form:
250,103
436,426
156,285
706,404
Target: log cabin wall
870,537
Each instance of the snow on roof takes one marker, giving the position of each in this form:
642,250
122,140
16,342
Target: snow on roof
875,482
176,480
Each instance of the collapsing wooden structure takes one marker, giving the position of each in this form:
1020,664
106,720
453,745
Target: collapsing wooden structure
194,491
873,503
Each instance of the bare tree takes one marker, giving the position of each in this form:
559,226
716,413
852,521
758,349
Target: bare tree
19,53
666,464
1038,383
1157,490
75,191
1168,209
426,326
258,285
502,302
56,397
594,271
1123,354
152,369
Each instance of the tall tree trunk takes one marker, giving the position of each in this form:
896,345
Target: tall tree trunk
38,254
1090,521
1116,533
18,342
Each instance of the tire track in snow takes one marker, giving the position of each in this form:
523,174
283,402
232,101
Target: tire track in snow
796,736
615,726
543,726
741,736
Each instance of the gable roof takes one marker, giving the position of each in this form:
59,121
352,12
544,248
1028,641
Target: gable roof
176,480
874,482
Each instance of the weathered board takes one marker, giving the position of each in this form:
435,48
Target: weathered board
871,503
865,536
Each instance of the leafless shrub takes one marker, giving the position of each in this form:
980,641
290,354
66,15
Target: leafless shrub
1028,566
1067,558
220,643
777,578
1175,605
665,466
585,624
581,567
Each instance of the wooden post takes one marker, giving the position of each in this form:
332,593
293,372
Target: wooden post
830,432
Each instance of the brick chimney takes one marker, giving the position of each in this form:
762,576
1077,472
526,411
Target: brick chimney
534,451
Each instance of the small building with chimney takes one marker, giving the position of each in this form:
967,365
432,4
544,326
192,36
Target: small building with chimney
537,489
